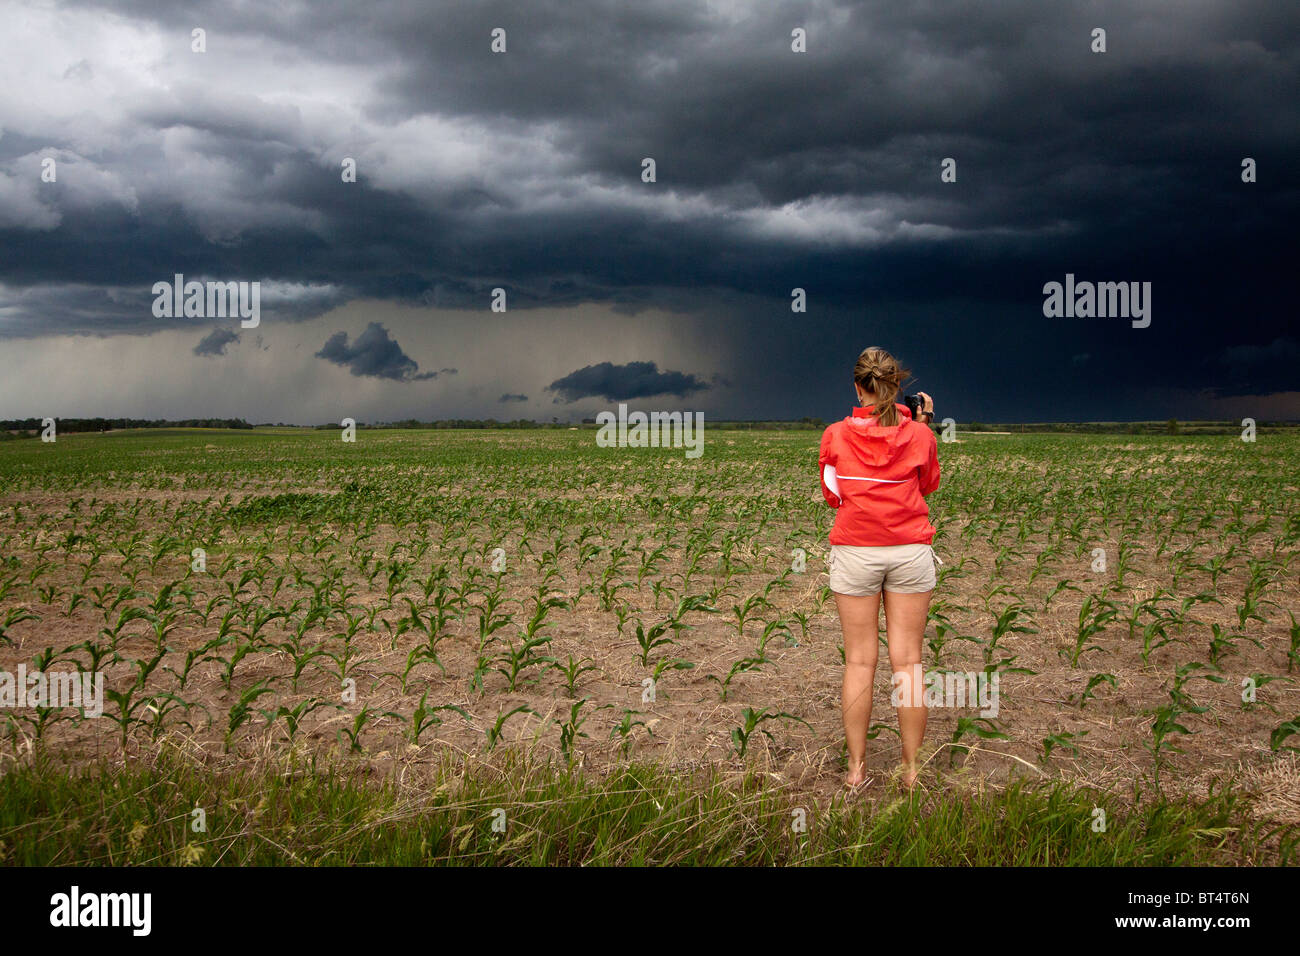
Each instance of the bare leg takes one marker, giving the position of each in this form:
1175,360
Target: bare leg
905,630
860,619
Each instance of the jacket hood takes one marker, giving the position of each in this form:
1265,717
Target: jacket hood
878,445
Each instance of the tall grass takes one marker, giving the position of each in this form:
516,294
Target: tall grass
304,813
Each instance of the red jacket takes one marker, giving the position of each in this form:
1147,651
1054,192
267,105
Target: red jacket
883,476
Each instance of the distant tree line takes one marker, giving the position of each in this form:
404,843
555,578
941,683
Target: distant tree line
68,425
449,423
555,423
1171,426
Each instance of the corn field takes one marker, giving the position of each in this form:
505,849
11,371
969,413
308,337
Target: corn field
419,594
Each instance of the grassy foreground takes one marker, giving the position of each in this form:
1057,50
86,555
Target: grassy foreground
302,813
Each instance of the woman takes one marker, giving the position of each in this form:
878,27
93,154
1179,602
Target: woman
877,466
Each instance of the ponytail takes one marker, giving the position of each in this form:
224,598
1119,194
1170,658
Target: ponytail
878,372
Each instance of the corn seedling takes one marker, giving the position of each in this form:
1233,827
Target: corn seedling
494,732
426,716
753,721
981,727
624,728
1095,681
1061,740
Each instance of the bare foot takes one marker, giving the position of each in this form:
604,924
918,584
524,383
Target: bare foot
857,775
909,777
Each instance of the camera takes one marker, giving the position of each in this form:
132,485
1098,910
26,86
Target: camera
915,405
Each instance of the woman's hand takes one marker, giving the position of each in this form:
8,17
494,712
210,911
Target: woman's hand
927,405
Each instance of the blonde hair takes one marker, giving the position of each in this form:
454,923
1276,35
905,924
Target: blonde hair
879,372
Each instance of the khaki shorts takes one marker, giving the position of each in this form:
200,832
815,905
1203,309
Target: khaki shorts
898,568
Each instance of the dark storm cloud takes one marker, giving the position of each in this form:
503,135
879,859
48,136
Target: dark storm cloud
1254,369
617,382
374,353
53,308
775,170
215,342
512,397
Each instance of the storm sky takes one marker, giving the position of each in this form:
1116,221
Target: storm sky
522,170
